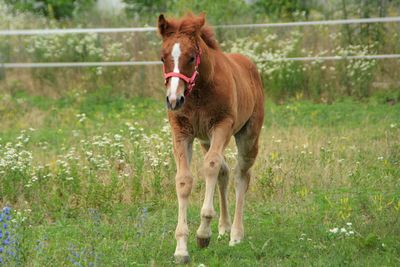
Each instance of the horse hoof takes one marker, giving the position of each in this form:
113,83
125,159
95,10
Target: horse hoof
182,259
203,242
222,237
234,242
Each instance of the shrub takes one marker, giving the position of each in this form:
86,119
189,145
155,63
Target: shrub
58,9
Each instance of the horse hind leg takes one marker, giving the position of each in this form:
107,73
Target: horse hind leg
247,144
224,223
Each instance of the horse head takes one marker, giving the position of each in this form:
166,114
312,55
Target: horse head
181,56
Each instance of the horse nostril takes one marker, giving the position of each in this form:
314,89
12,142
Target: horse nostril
182,99
168,103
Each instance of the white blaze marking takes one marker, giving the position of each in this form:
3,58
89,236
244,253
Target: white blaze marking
176,53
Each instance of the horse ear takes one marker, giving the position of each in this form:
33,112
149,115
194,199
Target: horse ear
162,25
201,19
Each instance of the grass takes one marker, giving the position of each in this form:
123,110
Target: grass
92,174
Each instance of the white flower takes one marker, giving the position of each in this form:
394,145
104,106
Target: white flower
334,230
117,137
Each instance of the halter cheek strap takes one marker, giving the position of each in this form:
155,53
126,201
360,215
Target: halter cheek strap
191,82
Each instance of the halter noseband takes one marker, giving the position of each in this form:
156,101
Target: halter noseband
191,82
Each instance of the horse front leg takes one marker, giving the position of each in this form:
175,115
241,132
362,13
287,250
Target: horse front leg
213,162
183,183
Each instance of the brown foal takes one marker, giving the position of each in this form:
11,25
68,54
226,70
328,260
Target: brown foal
210,96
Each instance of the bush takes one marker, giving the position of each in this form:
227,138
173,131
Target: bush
282,8
58,9
319,80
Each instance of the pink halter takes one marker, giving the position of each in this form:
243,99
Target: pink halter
190,81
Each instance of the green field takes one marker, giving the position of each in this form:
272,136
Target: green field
92,177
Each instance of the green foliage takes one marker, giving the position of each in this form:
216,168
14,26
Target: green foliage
218,12
316,79
142,7
57,9
283,9
91,175
323,81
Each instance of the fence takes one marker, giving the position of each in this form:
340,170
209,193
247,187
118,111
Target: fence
149,29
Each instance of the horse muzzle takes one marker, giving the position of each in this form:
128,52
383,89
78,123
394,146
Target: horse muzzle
175,102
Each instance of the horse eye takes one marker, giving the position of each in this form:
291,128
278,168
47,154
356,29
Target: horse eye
191,60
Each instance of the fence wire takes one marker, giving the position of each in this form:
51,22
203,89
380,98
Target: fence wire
150,29
237,26
146,63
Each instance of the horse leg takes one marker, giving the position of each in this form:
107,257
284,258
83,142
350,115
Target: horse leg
224,224
213,162
184,182
247,144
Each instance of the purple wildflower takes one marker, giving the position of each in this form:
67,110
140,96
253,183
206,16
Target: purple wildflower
7,210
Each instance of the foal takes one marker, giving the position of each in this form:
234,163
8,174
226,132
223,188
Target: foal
210,96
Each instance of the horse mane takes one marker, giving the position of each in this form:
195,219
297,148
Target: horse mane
207,34
190,24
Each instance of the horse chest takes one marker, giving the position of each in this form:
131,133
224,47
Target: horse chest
202,124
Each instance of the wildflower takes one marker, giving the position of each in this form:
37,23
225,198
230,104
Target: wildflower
81,117
7,210
117,137
334,230
99,70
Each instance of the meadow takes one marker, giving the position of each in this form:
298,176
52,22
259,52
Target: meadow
89,178
86,164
